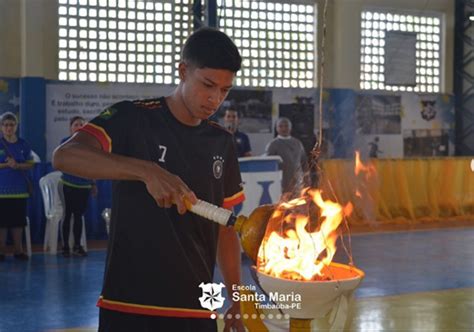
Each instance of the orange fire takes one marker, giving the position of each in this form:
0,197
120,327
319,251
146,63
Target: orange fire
291,250
359,167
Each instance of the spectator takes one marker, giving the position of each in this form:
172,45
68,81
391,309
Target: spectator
76,194
374,148
15,160
292,153
241,140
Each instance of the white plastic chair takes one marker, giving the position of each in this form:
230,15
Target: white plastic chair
51,190
106,215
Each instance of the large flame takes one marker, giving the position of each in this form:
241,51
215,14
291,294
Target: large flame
293,252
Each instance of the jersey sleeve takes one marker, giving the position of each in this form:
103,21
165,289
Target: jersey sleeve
112,126
233,187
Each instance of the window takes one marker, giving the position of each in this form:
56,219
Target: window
277,41
428,27
122,40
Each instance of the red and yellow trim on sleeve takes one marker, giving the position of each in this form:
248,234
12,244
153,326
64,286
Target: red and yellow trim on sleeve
232,201
100,134
150,310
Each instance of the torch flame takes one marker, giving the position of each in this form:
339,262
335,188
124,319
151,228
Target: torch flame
295,254
359,167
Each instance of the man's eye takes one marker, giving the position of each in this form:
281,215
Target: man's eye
208,85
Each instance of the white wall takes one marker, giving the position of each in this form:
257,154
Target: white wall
10,38
343,58
29,37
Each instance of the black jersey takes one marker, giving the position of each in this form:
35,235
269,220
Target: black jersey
157,258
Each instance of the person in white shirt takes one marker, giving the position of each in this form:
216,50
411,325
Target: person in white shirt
293,155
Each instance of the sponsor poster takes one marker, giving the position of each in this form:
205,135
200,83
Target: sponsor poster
428,125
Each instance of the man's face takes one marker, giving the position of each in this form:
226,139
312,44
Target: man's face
231,120
204,89
283,128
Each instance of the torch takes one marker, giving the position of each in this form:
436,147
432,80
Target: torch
318,296
251,229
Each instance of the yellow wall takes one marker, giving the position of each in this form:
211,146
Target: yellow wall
401,190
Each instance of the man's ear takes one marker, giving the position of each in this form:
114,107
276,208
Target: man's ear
182,68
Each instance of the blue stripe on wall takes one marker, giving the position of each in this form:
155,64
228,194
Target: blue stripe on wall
33,113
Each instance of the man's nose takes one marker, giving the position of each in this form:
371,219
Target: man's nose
216,97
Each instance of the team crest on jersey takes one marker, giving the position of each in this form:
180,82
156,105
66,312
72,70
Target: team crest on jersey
211,295
108,113
217,166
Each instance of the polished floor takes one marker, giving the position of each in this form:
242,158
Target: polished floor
415,281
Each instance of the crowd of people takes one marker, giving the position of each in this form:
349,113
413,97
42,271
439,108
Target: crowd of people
16,159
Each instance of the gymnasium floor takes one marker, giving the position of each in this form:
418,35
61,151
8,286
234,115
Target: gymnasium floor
415,281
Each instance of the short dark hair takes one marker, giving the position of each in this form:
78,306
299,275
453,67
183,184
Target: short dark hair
211,48
75,118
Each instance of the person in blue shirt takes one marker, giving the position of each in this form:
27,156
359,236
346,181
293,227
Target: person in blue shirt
15,160
76,192
241,140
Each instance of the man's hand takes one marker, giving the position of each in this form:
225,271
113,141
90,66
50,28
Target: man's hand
168,189
12,163
232,323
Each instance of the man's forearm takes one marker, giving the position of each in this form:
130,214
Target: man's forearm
228,257
90,162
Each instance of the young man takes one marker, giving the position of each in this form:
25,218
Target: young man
241,140
161,152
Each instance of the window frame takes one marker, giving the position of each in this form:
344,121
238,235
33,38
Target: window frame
441,43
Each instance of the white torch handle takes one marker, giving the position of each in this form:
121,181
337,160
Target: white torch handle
212,212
